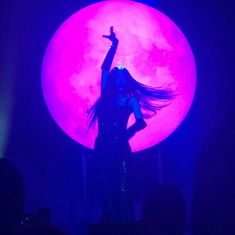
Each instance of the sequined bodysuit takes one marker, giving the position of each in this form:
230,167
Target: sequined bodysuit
112,152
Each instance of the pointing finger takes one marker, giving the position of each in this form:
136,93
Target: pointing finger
111,30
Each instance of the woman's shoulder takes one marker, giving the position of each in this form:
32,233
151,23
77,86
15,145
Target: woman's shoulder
132,100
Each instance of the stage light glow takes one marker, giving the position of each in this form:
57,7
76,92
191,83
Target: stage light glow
6,101
151,47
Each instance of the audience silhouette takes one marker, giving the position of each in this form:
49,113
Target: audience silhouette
164,211
11,197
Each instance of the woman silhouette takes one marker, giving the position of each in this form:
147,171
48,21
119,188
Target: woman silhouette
120,96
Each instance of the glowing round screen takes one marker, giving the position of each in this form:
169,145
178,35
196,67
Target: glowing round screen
151,47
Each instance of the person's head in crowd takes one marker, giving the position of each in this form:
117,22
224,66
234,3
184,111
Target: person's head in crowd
165,208
11,196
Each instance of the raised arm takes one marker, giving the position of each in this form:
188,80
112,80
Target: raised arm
109,57
139,121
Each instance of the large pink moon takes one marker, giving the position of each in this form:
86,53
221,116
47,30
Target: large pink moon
151,47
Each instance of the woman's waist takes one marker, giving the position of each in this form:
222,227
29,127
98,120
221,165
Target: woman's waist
112,137
112,131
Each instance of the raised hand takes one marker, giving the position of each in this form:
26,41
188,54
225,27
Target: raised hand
112,36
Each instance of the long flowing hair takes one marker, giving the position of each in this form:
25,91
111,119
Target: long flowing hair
151,99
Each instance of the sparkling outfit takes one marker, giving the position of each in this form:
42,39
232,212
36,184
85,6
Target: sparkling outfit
112,152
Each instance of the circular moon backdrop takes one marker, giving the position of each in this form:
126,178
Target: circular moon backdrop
151,47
